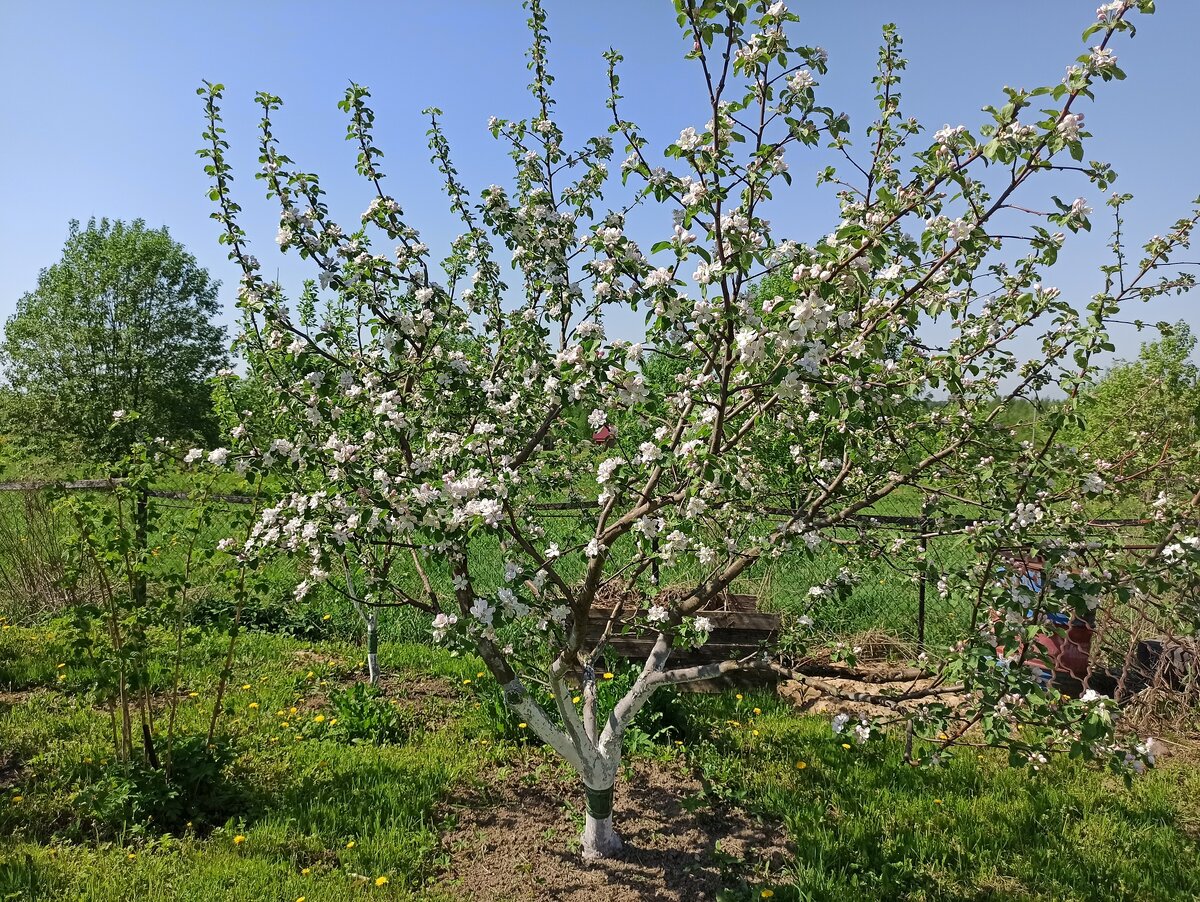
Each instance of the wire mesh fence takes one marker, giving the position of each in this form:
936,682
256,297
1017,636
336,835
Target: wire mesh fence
895,594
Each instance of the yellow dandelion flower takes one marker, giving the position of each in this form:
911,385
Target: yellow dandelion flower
480,674
937,801
301,898
59,666
245,685
845,745
767,893
575,700
608,676
522,725
193,694
758,710
239,839
381,881
17,799
327,617
332,721
466,682
253,706
320,718
293,710
351,844
131,856
800,765
306,871
738,696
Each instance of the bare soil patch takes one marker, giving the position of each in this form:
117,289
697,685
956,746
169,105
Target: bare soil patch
516,841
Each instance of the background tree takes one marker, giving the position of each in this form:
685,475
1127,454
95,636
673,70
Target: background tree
124,321
1144,411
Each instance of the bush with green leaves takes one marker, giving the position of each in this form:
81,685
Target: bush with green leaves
135,568
1143,412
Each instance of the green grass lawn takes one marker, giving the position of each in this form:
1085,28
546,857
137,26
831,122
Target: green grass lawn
288,806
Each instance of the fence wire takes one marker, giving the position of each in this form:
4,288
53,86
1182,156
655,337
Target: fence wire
895,600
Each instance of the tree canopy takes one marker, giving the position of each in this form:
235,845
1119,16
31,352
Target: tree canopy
124,321
424,425
1144,410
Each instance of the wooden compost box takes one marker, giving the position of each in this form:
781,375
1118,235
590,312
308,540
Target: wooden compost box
738,629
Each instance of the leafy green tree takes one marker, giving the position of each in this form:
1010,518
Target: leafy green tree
123,322
1143,412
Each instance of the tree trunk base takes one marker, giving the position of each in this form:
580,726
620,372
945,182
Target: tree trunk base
599,839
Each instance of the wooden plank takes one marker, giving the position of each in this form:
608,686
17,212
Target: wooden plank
640,650
734,620
720,637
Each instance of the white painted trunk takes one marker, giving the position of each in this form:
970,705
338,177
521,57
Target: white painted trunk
599,839
373,648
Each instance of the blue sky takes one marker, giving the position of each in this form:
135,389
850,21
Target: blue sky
100,118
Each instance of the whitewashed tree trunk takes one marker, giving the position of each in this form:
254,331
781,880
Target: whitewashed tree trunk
595,755
599,839
373,647
370,619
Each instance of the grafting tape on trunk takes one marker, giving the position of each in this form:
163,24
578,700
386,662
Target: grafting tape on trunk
599,802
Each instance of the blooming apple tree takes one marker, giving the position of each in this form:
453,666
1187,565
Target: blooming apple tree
423,415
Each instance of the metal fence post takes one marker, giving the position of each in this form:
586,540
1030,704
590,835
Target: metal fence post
922,580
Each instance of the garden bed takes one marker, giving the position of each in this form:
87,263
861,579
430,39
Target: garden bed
515,838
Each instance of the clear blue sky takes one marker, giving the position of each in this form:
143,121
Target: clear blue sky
99,115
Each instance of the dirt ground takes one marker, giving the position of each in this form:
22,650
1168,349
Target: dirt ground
670,853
